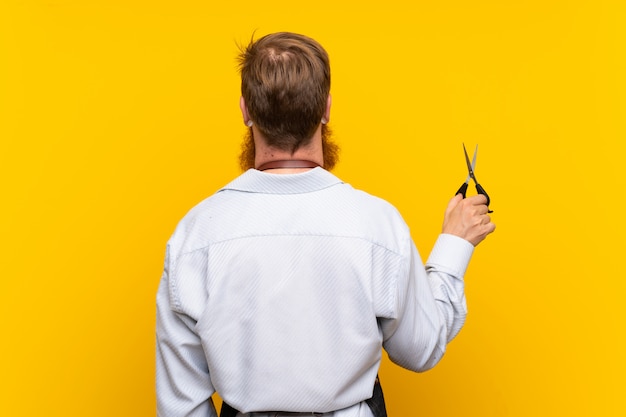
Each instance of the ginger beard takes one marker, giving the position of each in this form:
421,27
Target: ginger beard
330,149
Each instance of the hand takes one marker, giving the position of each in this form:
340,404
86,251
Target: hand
467,218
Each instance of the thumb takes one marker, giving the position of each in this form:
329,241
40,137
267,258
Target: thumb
454,201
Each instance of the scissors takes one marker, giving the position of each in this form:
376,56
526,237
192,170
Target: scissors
470,168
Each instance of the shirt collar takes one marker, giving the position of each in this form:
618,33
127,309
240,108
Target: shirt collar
254,181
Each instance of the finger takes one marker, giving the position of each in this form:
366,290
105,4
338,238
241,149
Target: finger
474,208
477,199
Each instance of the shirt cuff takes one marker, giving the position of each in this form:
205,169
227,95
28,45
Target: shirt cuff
451,254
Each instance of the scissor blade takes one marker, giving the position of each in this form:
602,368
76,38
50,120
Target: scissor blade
470,168
473,163
474,158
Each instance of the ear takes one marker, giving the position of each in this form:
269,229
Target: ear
244,112
326,117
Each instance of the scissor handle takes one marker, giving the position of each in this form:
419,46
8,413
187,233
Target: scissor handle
462,190
481,190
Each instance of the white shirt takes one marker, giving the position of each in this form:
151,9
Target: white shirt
279,291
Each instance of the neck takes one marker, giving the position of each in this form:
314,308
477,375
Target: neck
277,161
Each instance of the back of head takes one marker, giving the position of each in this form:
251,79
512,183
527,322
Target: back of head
285,82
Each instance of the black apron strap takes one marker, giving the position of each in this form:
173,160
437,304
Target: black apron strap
376,404
227,411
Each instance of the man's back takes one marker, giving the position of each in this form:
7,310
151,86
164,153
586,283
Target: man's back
286,276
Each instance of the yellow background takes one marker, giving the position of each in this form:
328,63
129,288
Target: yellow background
116,117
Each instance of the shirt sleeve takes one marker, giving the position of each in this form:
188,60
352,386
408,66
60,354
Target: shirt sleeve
430,304
183,385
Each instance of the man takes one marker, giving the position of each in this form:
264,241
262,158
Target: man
280,290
